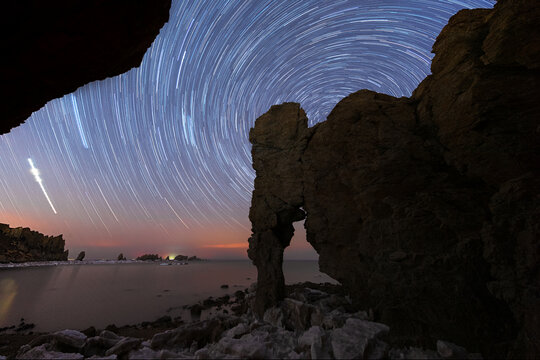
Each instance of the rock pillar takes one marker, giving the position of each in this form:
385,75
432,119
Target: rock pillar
279,138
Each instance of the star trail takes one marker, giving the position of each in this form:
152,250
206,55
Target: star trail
158,159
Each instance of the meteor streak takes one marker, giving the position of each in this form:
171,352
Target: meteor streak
35,172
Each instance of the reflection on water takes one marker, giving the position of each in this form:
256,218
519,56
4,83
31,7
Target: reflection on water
8,291
79,296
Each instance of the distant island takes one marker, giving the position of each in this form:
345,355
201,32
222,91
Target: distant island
24,245
155,257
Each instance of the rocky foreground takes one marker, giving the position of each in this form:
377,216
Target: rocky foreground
314,321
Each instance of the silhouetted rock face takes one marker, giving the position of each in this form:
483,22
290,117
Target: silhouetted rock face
279,139
425,208
52,48
151,257
22,245
81,256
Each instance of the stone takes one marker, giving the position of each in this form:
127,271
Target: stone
41,352
237,331
22,245
120,257
448,350
263,342
311,336
413,353
239,294
98,346
202,354
397,256
106,334
89,332
196,310
40,340
64,340
123,346
201,332
297,314
313,340
71,338
424,208
54,48
352,340
147,353
274,316
81,256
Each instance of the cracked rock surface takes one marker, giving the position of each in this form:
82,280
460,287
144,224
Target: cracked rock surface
425,208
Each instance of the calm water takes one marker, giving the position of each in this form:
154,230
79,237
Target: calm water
79,296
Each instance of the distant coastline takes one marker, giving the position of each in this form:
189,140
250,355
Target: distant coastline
91,262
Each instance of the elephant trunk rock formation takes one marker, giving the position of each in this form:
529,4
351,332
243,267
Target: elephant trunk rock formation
425,208
279,139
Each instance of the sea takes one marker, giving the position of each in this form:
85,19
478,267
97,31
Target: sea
76,296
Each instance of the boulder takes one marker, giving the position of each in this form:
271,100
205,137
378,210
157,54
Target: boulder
448,350
81,256
71,338
42,352
352,341
123,346
202,332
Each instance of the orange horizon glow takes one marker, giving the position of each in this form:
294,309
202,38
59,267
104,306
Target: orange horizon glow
133,239
242,245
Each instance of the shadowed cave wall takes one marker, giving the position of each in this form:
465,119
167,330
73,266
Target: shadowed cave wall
425,208
53,47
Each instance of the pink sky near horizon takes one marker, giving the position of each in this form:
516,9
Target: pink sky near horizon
216,242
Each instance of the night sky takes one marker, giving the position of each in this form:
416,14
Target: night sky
158,159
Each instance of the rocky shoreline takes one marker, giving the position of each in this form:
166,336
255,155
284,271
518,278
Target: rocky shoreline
19,245
314,321
10,265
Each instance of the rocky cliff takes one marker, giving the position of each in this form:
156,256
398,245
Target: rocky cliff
53,47
22,245
425,208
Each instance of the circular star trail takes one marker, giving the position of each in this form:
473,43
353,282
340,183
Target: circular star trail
160,155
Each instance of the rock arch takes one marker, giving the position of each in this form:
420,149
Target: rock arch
279,139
